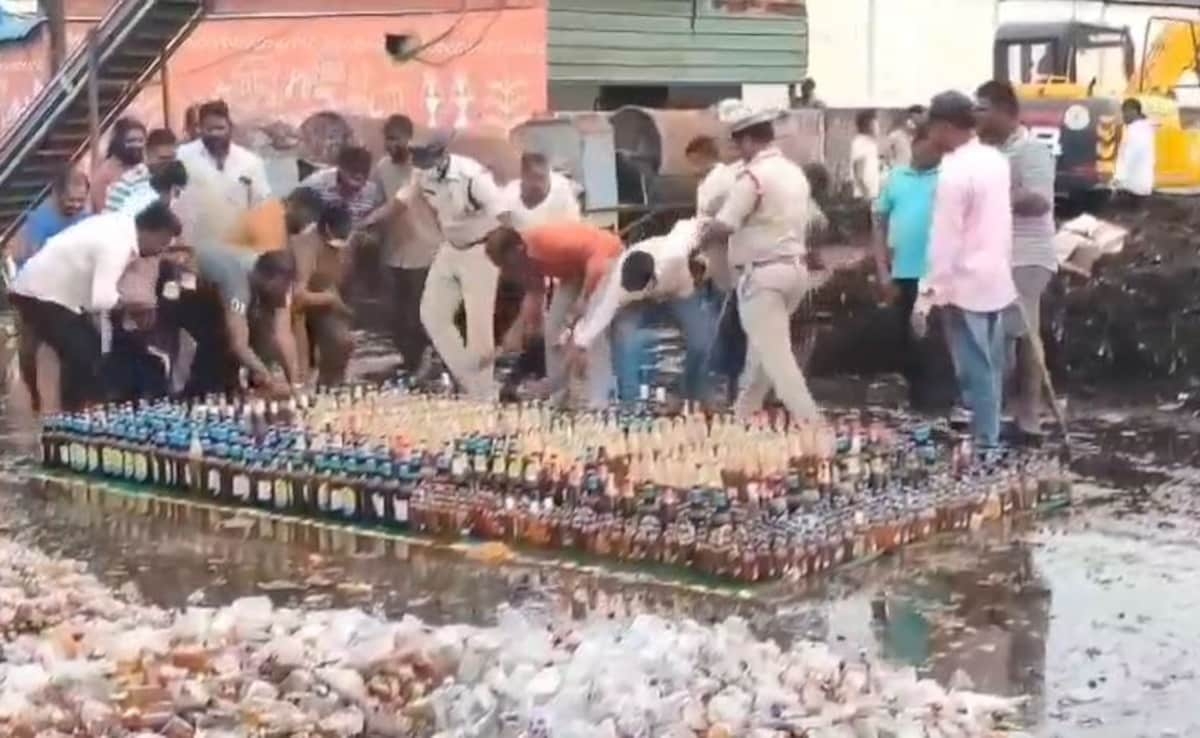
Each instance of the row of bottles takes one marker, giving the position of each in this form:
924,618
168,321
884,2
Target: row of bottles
751,501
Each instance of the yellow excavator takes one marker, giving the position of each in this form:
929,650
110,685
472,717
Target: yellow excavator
1071,78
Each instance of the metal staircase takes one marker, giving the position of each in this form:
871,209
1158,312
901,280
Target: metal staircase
130,43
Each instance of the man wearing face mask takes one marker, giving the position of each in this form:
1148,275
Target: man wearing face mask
410,239
467,202
126,149
160,152
224,179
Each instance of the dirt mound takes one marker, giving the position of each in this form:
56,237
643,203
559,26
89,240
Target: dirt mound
1136,317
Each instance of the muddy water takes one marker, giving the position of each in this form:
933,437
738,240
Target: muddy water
1091,612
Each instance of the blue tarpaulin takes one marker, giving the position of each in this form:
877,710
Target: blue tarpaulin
14,27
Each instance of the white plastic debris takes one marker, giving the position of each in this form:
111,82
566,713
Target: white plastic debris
82,661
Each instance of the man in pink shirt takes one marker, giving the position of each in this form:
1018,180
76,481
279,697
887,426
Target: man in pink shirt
970,255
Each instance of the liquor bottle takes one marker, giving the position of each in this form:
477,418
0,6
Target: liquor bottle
262,480
240,459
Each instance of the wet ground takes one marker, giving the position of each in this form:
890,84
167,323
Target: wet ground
1091,611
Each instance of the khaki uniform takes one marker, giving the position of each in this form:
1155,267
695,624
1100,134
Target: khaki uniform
768,209
467,202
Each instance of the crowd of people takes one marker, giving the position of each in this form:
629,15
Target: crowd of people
174,269
964,220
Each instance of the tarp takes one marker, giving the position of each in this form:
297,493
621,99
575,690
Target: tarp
17,26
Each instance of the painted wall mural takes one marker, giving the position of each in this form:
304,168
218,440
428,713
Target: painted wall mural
486,71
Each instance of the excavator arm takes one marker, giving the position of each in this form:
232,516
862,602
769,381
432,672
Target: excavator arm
1171,54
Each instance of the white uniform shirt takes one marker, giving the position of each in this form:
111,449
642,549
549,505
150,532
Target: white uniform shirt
559,205
216,196
465,198
1134,169
710,194
80,267
672,280
864,153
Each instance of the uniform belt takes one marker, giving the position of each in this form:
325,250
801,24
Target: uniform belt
789,259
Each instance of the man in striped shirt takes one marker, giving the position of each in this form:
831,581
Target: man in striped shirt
160,151
349,184
1033,260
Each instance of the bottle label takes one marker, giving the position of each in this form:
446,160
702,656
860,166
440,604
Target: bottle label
345,501
187,476
78,457
93,459
323,497
241,487
532,471
400,511
141,467
458,465
264,490
379,504
283,493
127,464
214,482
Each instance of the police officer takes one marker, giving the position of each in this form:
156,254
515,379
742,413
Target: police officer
765,217
467,202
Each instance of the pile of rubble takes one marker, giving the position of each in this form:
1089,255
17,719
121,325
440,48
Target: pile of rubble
81,660
1135,318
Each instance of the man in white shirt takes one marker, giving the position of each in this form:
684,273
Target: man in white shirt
467,202
224,179
864,157
71,279
728,352
652,275
540,196
1133,176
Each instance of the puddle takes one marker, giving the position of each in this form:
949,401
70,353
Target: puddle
1090,612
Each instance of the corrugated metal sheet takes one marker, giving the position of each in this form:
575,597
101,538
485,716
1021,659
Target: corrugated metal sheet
677,41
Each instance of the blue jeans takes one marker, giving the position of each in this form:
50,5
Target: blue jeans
977,342
697,322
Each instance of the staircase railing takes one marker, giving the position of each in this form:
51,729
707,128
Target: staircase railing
59,93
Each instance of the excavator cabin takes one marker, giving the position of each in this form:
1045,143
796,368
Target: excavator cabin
1067,60
1071,78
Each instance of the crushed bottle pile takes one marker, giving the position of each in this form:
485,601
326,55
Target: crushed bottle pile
83,660
747,501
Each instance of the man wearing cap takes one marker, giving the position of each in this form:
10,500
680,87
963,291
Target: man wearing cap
765,217
467,203
970,259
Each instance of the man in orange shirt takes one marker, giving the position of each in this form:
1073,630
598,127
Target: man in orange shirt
579,256
268,225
